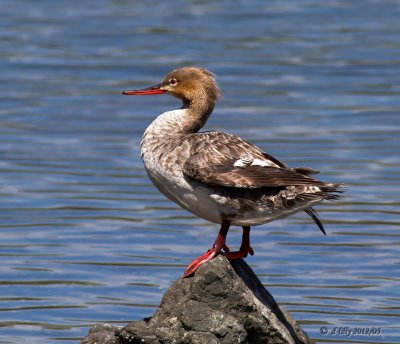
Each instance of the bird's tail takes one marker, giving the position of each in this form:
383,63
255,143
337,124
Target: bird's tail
314,215
329,191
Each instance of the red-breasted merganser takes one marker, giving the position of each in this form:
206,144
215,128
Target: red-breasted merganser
218,176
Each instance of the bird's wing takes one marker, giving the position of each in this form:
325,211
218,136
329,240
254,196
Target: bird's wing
226,160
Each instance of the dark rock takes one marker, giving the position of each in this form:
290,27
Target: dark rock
102,333
223,303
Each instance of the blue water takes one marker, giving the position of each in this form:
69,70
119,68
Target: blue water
86,238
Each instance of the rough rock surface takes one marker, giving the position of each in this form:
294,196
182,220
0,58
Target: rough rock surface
224,302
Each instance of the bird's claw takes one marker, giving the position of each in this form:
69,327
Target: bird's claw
242,253
194,265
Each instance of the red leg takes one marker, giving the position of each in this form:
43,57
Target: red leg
226,248
245,247
219,244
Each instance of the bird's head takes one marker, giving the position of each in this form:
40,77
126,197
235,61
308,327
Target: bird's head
187,83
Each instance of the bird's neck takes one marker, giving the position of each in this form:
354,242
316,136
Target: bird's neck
197,113
169,127
187,120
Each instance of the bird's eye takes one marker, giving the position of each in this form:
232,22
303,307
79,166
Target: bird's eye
173,82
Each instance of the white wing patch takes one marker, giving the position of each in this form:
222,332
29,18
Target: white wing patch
263,163
247,161
240,163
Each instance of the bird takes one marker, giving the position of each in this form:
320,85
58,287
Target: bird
218,176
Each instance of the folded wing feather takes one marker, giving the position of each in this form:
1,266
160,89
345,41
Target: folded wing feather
217,169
